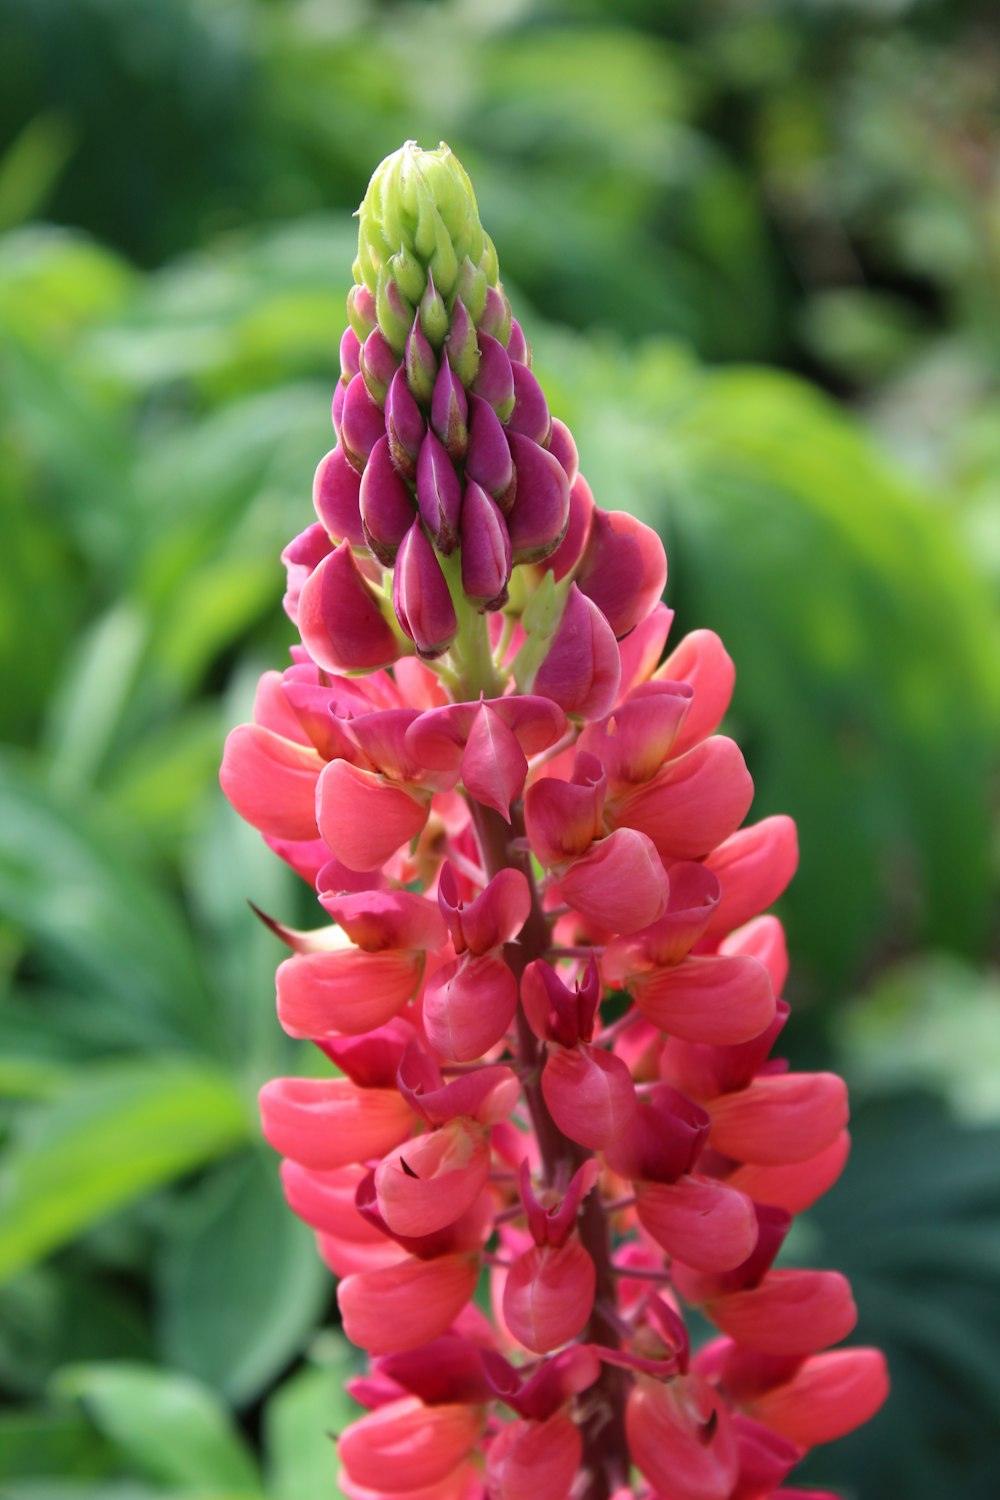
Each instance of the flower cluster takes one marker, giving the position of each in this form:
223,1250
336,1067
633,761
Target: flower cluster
547,992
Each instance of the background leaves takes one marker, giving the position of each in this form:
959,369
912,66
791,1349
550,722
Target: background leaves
682,196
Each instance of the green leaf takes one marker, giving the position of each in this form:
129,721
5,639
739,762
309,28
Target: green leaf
121,1131
302,1419
74,885
38,1442
173,1430
241,1282
57,1315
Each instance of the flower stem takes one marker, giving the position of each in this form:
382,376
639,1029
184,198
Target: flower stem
605,1452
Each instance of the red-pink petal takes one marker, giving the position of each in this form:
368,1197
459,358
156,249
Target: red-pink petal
468,1006
754,866
548,1295
432,1180
405,1445
271,782
590,1094
781,1117
681,1438
328,1122
796,1185
345,990
364,818
723,1000
534,1460
619,884
703,661
704,1223
790,1312
400,1307
694,803
827,1398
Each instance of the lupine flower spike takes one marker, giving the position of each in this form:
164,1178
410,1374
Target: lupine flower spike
548,997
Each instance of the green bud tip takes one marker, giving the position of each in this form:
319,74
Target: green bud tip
419,220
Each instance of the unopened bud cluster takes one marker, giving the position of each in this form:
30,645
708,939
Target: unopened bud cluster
549,995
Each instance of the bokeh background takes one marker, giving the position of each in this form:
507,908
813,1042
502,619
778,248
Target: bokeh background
757,248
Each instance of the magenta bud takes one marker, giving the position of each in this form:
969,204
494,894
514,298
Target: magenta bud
495,319
439,493
337,409
420,595
581,509
303,553
583,668
462,346
486,556
562,445
518,347
450,410
339,621
350,350
487,457
623,568
421,363
538,519
494,379
361,422
404,424
378,364
531,410
387,508
336,497
361,311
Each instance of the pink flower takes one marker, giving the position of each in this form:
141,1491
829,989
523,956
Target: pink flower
550,987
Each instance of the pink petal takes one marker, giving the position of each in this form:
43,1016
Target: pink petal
694,803
619,884
790,1312
713,999
781,1117
271,782
699,1221
363,818
344,991
402,1306
328,1122
590,1094
827,1398
701,660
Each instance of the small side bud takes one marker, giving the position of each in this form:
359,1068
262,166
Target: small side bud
421,363
420,595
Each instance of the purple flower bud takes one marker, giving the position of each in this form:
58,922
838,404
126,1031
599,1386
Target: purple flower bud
486,552
337,410
496,315
420,595
538,518
433,313
361,422
450,410
378,364
487,458
421,363
387,509
494,380
350,349
404,425
339,618
531,410
581,511
361,311
517,345
336,497
561,445
462,347
439,493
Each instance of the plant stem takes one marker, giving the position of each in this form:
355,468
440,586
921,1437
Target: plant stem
605,1453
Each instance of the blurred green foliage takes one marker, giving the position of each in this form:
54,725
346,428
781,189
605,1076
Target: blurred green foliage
673,189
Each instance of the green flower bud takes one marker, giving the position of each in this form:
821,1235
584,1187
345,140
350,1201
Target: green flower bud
433,314
420,234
